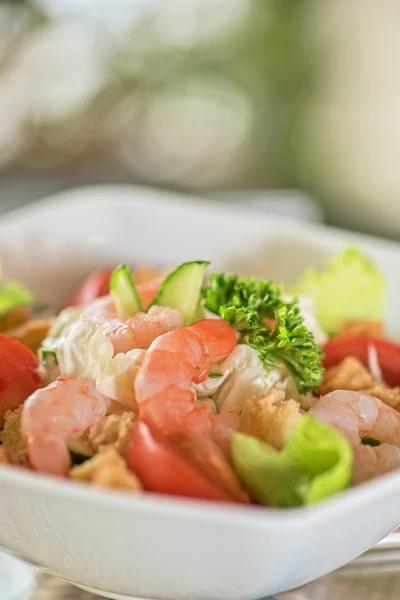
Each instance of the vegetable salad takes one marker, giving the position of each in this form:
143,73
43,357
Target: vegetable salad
205,385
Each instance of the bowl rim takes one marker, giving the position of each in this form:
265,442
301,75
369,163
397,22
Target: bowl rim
183,508
133,194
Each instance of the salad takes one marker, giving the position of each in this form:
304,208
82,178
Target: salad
210,386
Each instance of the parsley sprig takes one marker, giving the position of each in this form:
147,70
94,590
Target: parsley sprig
245,303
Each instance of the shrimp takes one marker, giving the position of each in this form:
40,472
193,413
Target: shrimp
356,416
147,290
163,385
126,333
52,415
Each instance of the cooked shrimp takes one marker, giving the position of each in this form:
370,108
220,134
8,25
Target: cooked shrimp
356,416
127,333
51,416
163,384
147,290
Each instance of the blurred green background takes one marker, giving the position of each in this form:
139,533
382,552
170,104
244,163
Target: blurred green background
203,96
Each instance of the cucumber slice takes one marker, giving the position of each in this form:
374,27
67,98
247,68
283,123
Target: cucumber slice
215,371
181,289
80,450
124,292
48,358
200,313
45,353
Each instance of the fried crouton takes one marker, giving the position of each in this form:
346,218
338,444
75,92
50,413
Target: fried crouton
112,431
31,333
390,396
107,469
9,457
14,317
11,435
363,329
116,408
351,374
271,418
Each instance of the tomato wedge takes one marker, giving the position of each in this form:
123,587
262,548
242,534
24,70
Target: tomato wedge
218,336
19,374
388,355
94,286
182,465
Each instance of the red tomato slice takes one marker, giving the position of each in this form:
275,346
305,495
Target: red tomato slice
94,286
182,466
218,336
388,355
19,374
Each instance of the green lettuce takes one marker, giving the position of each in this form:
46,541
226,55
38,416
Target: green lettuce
270,477
14,294
315,463
350,288
323,454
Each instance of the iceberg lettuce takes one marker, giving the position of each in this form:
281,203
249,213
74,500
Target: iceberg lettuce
350,288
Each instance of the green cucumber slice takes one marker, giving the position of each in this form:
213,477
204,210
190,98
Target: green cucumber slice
48,358
45,353
181,290
80,450
124,292
200,313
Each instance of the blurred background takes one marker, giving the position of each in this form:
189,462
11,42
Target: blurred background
220,98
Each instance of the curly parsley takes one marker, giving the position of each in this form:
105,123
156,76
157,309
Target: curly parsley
246,303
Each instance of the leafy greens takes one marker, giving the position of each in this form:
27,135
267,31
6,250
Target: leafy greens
315,463
12,294
249,305
349,288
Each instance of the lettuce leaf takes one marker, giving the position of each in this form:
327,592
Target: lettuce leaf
315,463
14,294
270,477
323,454
350,288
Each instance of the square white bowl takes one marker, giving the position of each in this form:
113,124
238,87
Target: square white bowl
123,545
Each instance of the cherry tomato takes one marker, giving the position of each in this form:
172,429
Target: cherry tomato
388,355
19,374
94,286
218,336
182,465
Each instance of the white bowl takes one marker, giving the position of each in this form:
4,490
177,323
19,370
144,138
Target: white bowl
122,545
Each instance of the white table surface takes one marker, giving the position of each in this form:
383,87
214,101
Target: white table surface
333,587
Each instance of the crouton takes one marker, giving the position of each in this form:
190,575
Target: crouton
9,457
108,470
31,333
363,329
351,374
271,418
14,317
112,431
11,435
